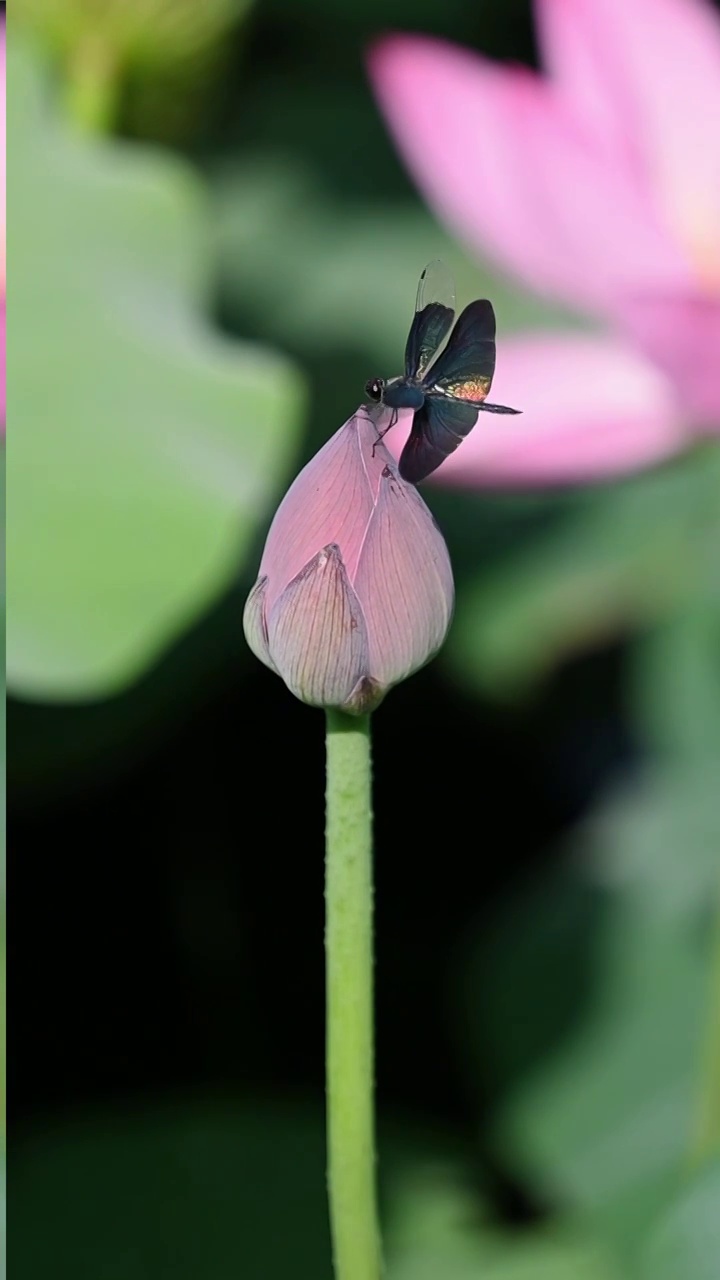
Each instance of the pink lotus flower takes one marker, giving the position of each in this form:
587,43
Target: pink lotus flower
355,589
600,185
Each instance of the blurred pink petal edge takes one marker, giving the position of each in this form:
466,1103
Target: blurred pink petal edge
507,164
598,183
595,409
648,71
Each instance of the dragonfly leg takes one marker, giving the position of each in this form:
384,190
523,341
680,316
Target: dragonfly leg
389,427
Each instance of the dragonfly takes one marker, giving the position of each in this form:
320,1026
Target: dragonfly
445,386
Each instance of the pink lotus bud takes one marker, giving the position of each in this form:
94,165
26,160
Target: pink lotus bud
355,589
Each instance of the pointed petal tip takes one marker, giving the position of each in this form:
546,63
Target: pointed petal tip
390,50
365,697
555,203
331,500
317,635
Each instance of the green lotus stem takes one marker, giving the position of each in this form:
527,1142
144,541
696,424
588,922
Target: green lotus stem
349,996
92,88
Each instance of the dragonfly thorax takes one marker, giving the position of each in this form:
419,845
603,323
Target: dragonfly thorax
403,393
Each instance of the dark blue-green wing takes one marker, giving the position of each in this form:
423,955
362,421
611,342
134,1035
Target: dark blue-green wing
465,368
437,430
434,314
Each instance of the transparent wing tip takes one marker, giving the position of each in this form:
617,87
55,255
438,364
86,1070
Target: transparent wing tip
436,285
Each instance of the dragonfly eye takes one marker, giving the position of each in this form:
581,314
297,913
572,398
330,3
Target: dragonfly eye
374,388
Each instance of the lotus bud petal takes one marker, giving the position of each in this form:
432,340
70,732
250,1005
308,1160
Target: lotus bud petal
316,632
355,589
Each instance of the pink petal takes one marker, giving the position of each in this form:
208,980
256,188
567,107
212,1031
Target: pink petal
682,335
316,633
591,409
404,583
581,71
647,74
505,161
331,501
255,623
3,366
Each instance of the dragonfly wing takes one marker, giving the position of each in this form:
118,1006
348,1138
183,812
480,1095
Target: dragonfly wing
427,334
437,430
436,285
434,314
465,368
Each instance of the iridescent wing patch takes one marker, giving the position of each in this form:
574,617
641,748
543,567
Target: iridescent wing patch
465,368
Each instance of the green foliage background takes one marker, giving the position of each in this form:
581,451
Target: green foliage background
214,247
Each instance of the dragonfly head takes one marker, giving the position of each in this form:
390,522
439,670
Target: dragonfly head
374,389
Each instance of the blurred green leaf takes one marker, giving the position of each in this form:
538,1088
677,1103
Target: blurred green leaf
3,719
686,1243
210,1190
586,999
622,558
658,839
676,684
435,1234
603,1123
147,449
323,273
131,32
222,1189
535,1257
139,59
213,1189
526,976
3,1028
